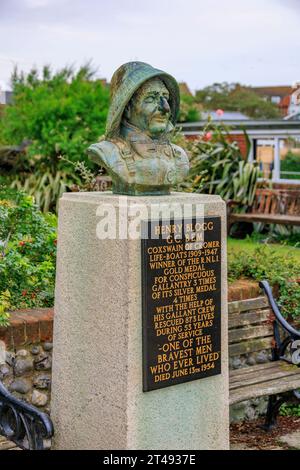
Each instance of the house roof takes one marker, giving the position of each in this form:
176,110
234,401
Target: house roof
273,90
184,89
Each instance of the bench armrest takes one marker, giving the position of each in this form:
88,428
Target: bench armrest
291,343
30,428
281,320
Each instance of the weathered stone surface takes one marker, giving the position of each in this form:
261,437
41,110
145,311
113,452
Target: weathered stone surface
42,381
251,360
236,363
10,358
35,350
42,361
38,398
292,440
22,366
237,411
97,395
5,371
20,385
22,353
262,357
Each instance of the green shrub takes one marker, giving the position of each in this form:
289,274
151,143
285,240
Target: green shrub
60,114
189,109
27,254
237,97
280,270
291,163
217,166
290,410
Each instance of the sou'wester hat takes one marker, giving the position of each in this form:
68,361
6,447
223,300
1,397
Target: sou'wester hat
125,82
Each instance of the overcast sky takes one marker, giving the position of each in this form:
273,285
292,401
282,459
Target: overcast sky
254,42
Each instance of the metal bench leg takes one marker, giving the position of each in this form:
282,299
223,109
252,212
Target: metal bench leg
274,405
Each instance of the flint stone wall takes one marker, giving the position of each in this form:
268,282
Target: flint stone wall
26,356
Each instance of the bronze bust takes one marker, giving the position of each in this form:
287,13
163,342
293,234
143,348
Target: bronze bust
136,150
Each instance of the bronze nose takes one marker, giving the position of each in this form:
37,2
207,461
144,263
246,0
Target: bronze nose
164,105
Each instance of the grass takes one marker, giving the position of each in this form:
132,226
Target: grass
235,245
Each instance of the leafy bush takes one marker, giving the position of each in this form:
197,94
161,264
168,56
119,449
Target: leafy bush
217,166
290,410
27,254
291,163
189,109
281,271
59,114
237,97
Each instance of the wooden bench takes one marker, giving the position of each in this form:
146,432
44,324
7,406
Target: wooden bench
271,206
253,331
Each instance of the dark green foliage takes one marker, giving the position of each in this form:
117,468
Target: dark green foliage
217,166
290,410
291,163
282,271
60,113
236,97
189,109
27,253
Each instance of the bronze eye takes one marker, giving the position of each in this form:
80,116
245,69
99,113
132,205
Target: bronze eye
150,99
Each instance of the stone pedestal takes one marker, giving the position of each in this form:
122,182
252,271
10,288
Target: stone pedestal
97,391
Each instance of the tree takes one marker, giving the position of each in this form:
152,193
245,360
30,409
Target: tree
236,97
60,114
189,109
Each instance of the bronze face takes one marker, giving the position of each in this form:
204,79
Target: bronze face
149,108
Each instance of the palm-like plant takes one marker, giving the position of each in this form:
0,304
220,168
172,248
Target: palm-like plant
218,167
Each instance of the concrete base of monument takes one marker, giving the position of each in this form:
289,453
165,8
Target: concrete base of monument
97,388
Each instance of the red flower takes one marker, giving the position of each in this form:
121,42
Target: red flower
24,293
208,136
22,243
219,112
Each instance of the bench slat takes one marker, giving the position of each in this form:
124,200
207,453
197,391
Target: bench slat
237,307
250,346
270,387
248,332
264,376
241,372
250,318
267,218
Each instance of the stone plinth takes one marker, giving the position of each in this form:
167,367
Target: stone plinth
97,391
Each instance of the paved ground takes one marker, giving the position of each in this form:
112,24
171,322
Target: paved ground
292,440
249,435
7,445
283,442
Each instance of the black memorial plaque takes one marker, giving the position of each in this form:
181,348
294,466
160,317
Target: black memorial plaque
181,292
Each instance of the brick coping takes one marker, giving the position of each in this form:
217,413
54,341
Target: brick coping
36,325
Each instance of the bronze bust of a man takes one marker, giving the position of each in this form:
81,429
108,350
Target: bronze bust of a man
137,152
